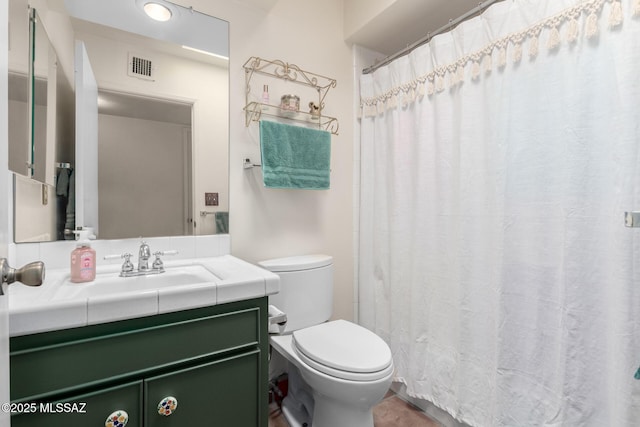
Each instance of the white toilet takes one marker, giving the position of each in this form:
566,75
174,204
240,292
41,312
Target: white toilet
338,370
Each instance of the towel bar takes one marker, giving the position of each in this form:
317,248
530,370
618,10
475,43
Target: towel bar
248,164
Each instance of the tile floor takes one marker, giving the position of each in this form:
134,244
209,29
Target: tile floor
391,412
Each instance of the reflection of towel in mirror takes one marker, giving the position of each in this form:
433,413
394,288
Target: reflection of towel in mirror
222,222
70,223
62,182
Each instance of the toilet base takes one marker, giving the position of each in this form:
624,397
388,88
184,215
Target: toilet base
333,402
298,405
330,413
295,415
325,414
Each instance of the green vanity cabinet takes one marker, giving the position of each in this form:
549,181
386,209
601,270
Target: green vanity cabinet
90,409
229,398
213,361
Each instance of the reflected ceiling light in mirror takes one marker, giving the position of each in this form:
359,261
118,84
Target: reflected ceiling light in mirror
157,11
226,58
186,27
102,103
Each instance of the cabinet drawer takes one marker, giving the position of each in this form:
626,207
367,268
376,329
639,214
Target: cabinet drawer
96,408
223,393
66,366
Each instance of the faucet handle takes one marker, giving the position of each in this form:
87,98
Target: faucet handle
125,255
169,252
157,263
127,265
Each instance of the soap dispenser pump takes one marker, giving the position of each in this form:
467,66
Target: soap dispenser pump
83,257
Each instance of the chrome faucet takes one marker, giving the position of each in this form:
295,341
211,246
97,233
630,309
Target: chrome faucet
144,253
143,256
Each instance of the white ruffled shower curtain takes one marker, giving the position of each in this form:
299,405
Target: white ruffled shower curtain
497,162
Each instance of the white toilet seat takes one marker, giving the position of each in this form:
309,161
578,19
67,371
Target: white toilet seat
343,350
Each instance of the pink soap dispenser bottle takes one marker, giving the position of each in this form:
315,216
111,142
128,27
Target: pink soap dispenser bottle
83,258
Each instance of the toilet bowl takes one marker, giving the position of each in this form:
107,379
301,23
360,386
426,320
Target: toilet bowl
344,367
347,377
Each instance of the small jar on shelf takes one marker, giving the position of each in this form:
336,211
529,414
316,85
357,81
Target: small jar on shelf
290,105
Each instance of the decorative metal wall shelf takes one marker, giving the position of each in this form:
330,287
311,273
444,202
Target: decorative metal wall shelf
291,73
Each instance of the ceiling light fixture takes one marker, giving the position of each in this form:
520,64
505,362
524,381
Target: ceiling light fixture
157,11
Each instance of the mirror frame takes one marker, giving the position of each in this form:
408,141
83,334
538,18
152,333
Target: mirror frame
42,147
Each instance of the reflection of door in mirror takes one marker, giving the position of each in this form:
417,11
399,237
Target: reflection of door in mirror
32,125
44,111
40,110
19,147
32,153
144,145
85,176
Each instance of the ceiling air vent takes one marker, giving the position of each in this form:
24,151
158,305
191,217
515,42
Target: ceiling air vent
140,67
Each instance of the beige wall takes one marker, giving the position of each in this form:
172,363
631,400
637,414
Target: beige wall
267,223
358,13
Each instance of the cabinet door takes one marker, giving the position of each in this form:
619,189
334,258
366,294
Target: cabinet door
220,393
91,409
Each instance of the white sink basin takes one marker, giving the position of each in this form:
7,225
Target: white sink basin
111,283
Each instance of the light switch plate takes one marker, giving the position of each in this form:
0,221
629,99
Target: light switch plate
211,199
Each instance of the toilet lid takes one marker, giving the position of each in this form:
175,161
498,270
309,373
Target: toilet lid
347,350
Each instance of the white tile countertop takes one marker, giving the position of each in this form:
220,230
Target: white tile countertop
187,283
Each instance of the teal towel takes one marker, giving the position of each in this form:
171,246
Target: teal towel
222,222
294,156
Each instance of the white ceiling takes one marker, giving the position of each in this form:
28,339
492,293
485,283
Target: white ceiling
406,21
400,24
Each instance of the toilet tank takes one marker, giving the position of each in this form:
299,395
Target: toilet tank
306,289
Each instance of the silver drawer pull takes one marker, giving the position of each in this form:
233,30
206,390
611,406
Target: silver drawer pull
167,406
117,418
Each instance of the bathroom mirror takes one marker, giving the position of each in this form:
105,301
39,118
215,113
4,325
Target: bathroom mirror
187,93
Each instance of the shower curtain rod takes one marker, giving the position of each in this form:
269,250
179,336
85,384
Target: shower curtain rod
452,23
